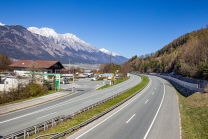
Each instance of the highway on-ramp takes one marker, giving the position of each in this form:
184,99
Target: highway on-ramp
18,120
152,114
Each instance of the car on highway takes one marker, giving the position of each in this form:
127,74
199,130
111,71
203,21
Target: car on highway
93,79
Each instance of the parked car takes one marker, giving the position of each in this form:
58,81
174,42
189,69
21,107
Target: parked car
93,79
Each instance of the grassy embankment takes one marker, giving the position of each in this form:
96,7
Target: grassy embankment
194,116
95,111
115,82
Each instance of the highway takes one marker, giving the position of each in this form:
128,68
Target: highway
84,96
152,114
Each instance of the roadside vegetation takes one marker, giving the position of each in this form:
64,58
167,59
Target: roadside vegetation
22,93
5,61
194,116
120,80
95,111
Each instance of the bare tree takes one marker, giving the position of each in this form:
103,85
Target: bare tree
101,68
125,68
33,68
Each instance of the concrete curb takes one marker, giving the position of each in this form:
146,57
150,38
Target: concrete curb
29,103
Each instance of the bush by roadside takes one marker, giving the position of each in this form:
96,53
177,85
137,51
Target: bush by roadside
20,93
194,116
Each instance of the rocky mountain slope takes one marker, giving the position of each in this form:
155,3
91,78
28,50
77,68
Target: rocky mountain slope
18,42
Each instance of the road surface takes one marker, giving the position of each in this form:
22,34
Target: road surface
152,114
84,96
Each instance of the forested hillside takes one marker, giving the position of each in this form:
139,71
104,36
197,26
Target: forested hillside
186,56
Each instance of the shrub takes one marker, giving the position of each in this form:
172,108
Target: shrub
101,78
34,90
48,85
30,90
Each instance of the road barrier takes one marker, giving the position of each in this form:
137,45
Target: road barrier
25,133
185,88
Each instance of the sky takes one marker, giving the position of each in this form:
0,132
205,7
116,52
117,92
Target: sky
127,27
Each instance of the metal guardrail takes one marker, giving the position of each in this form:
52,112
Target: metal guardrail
186,89
25,133
62,134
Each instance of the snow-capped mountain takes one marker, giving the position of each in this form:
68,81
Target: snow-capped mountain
1,24
108,52
64,40
18,42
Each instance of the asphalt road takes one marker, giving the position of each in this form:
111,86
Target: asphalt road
152,114
84,96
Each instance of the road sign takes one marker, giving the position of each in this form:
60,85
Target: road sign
57,81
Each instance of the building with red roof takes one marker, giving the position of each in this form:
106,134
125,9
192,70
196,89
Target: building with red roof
45,66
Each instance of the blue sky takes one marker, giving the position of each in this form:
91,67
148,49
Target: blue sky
127,27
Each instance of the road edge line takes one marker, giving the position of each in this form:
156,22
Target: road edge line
155,114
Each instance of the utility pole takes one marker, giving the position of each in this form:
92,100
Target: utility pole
110,57
69,62
110,61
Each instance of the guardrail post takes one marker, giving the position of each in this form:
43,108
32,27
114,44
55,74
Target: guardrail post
28,134
24,134
35,129
61,120
44,126
53,122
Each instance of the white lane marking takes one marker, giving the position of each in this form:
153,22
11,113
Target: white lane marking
114,112
131,118
152,93
155,87
146,101
45,115
19,117
155,114
63,103
87,101
47,108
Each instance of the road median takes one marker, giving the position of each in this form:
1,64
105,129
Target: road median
91,113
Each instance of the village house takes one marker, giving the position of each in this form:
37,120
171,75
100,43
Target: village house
45,66
23,66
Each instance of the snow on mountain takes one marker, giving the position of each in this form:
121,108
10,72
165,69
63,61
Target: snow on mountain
64,40
1,24
108,52
18,42
47,32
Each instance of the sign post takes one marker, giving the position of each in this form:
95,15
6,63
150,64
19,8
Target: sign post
57,81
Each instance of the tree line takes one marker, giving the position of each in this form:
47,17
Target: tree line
186,56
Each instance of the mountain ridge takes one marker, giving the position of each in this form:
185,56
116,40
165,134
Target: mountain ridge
18,42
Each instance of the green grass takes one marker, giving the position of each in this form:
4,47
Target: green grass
120,80
194,116
96,110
